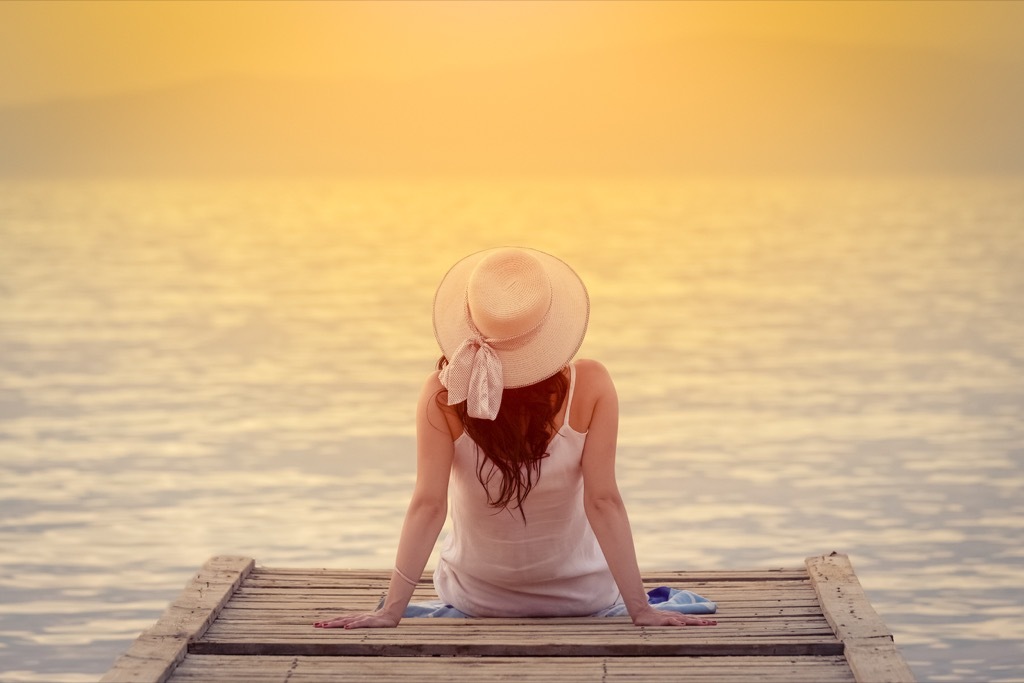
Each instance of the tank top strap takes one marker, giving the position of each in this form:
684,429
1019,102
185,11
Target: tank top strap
572,388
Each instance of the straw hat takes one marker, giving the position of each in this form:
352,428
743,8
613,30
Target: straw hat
506,318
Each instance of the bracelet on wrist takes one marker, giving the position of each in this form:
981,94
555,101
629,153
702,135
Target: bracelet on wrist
405,578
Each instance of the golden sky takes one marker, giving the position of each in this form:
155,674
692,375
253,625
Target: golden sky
56,49
52,51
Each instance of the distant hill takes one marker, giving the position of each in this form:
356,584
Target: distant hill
675,108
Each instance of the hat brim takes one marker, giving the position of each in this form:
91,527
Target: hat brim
548,350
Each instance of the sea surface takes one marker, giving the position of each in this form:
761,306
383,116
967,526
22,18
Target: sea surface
199,368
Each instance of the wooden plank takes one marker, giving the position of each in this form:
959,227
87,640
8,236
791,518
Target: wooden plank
842,598
257,585
283,613
871,660
246,592
155,653
257,669
868,642
475,647
562,628
330,602
648,576
521,637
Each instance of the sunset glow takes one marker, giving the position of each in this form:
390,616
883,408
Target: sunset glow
535,86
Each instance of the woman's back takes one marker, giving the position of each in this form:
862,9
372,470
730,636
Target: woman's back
543,562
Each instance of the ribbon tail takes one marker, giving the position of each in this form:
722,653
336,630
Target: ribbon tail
486,383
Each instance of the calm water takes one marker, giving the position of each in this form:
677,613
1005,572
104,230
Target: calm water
804,366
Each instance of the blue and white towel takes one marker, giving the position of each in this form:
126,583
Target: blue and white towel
662,597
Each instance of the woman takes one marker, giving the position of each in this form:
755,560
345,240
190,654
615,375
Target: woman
526,439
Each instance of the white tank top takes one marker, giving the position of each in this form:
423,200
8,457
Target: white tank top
494,565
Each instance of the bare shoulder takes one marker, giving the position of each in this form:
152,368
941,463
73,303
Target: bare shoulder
433,402
593,386
433,392
433,382
593,374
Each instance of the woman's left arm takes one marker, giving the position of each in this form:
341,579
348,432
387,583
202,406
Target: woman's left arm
606,510
423,519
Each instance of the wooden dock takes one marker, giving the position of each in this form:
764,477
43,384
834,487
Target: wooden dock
239,622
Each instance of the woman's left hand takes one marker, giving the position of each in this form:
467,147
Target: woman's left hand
655,617
379,619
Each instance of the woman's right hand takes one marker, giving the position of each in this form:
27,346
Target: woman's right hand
657,617
378,619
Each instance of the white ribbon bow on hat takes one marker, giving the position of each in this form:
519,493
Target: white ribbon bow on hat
474,375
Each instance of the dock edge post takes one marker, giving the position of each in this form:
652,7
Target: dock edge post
158,650
867,642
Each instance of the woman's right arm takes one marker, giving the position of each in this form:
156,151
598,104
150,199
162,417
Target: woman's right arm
606,511
424,517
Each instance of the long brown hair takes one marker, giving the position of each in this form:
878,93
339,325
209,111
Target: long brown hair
516,441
